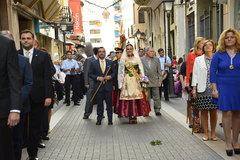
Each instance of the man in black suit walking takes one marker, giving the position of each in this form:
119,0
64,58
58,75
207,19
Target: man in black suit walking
41,93
102,71
10,96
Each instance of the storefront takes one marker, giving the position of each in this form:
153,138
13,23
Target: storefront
50,38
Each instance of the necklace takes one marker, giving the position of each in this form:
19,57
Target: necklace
231,64
231,61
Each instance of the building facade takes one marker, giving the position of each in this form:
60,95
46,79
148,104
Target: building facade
34,15
188,19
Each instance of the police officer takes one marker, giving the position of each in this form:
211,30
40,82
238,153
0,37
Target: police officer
69,67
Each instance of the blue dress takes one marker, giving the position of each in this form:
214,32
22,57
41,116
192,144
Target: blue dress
227,80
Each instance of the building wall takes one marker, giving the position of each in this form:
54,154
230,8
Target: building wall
180,35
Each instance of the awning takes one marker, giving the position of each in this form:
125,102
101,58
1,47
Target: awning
51,10
144,8
24,9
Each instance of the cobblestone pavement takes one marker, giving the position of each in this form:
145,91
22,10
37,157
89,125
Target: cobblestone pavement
76,139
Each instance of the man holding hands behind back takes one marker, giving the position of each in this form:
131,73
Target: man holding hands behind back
41,93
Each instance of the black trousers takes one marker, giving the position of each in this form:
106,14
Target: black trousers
6,146
80,86
70,81
18,137
101,96
35,121
164,87
45,124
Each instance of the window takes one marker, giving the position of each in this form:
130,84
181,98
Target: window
219,19
98,23
141,18
237,15
191,30
96,40
95,31
205,26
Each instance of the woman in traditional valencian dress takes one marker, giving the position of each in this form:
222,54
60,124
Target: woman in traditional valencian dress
132,101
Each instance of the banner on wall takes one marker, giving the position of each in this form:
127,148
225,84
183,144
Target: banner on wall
75,6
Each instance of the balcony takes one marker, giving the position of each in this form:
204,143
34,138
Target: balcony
117,18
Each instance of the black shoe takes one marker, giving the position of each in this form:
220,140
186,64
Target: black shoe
46,138
41,145
167,99
98,123
68,104
76,103
229,152
110,123
237,151
158,114
190,126
220,124
85,117
33,158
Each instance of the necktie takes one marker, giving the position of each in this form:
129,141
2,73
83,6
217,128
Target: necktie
102,66
28,56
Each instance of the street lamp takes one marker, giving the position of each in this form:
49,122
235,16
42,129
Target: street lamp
105,14
64,29
138,34
168,6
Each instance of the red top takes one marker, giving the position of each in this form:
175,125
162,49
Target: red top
190,63
174,62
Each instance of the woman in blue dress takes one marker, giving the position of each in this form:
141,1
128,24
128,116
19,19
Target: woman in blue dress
225,79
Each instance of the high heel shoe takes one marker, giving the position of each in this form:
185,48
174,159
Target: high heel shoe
237,150
229,152
130,120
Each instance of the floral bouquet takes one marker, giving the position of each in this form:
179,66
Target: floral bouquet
144,81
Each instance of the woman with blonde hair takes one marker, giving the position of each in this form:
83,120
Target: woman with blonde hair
225,78
202,89
197,51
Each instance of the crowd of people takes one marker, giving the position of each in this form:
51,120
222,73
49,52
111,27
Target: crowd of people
127,80
209,80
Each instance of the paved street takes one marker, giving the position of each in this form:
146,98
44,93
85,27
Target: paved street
73,138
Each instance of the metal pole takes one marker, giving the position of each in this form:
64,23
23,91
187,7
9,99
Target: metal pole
64,42
139,44
170,76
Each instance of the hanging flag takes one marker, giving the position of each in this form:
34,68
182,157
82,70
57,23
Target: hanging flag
75,6
121,27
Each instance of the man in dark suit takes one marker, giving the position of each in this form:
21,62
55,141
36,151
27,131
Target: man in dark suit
116,60
26,75
41,93
119,52
10,96
102,71
88,82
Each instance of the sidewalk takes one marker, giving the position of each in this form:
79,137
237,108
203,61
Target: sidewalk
73,138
